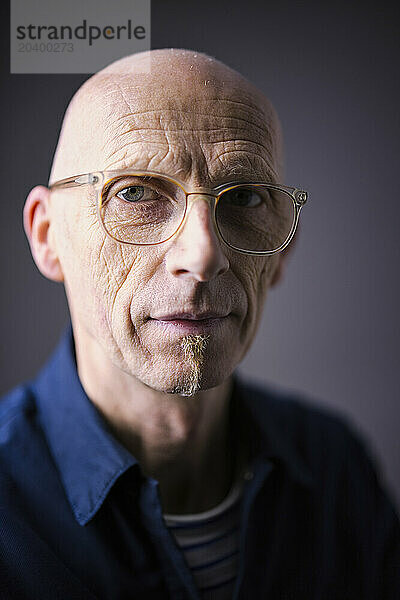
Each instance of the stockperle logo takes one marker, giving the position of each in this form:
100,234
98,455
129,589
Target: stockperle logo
51,37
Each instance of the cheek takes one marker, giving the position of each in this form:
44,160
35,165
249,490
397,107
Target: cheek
268,271
116,276
95,268
114,279
256,280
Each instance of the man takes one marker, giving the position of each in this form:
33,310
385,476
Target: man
137,465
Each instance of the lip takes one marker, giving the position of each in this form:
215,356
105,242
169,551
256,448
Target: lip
205,316
188,323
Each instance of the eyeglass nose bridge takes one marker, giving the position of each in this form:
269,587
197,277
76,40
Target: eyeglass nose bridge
201,193
211,199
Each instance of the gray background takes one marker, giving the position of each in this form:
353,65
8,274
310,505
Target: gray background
331,330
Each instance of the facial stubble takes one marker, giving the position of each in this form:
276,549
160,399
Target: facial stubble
193,348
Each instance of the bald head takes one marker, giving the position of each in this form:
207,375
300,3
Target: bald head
170,110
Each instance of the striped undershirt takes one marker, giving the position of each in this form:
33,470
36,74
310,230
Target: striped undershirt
210,543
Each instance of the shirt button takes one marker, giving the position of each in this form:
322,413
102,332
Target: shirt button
248,475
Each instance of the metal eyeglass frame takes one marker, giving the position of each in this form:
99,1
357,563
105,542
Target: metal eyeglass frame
103,178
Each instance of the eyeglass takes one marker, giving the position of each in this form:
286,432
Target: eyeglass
145,208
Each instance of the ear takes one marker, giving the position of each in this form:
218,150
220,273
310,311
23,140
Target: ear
37,225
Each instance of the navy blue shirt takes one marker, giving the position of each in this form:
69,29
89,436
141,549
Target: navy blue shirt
79,520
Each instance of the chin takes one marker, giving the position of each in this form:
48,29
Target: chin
191,382
188,366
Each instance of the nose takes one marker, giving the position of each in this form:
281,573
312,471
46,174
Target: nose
196,251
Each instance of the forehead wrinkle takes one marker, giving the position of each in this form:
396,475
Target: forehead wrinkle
212,172
193,103
180,144
206,108
262,130
236,131
140,161
169,113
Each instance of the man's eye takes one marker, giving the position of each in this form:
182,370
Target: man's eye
134,193
242,198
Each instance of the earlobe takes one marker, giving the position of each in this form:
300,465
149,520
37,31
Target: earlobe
37,225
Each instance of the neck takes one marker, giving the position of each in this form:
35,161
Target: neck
182,442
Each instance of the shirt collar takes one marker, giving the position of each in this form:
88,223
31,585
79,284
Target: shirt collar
90,459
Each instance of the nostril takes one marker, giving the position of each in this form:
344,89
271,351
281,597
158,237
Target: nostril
197,255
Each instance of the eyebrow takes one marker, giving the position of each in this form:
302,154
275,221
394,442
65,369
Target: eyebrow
231,176
262,171
258,169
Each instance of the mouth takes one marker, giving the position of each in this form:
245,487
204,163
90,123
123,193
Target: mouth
191,323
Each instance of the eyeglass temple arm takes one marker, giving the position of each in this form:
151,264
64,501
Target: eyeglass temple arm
74,181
